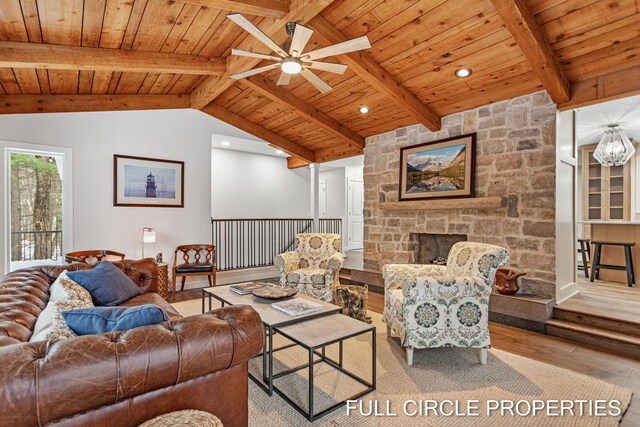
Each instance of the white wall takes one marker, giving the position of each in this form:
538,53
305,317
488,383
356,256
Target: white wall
95,137
248,185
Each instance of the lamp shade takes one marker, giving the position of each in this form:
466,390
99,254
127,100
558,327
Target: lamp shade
614,148
148,235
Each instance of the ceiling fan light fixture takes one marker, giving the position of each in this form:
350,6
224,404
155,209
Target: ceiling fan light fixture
463,72
291,66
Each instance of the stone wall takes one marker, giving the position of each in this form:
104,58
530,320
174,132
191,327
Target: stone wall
515,159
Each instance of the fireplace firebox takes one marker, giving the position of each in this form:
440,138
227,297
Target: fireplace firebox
434,248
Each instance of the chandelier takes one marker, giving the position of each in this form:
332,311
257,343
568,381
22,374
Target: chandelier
614,148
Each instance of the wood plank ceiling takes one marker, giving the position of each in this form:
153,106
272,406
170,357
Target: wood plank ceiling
148,54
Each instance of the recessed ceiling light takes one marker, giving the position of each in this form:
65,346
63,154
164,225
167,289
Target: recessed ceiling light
279,152
225,143
463,72
363,109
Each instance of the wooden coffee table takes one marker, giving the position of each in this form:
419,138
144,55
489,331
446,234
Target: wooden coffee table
271,318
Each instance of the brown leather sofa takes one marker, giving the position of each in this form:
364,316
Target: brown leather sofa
121,378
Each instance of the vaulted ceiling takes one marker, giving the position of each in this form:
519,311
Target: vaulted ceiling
94,55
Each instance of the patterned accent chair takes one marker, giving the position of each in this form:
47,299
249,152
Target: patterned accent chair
436,306
314,266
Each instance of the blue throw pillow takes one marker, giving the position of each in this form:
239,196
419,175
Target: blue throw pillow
106,283
97,320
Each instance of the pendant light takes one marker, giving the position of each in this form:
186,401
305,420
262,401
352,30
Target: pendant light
614,148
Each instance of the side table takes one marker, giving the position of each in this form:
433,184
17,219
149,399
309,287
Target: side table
163,280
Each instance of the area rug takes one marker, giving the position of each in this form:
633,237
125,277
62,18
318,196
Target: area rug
444,387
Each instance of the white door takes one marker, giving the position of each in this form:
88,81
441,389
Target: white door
355,214
322,198
566,173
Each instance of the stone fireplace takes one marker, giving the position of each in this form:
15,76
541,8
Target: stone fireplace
515,160
434,246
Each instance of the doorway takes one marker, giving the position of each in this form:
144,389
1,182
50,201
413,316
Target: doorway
355,213
606,209
322,198
37,213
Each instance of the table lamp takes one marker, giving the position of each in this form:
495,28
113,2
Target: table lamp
148,236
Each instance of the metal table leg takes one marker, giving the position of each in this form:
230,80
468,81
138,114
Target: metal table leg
270,361
264,356
311,411
373,358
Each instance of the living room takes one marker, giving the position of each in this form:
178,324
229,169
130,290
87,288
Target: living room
319,212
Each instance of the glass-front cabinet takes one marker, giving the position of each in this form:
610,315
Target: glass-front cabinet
606,189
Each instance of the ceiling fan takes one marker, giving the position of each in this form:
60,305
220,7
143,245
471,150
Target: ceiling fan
291,58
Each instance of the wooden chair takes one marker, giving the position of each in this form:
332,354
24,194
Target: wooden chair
197,267
92,256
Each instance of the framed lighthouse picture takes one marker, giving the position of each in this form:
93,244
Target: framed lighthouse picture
145,182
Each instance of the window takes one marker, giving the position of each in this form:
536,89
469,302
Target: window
37,209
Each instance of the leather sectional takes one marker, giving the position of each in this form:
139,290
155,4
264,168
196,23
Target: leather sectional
121,378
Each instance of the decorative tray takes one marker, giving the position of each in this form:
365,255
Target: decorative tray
275,292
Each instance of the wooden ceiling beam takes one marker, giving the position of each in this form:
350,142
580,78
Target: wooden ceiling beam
607,87
300,11
522,25
55,57
277,9
290,147
26,104
296,162
375,75
280,94
335,153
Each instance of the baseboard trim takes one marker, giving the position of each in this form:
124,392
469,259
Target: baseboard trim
234,276
245,275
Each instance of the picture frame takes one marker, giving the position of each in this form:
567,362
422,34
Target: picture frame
438,169
147,182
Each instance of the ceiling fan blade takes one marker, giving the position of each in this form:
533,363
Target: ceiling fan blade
240,52
301,36
326,66
284,79
255,32
338,49
243,74
316,81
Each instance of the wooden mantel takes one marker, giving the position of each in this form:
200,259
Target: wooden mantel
439,204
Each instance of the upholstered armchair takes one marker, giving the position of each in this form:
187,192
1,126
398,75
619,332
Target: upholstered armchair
313,267
435,306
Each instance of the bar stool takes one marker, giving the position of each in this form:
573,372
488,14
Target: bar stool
596,265
585,252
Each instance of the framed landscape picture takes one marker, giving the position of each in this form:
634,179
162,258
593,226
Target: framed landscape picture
438,169
141,181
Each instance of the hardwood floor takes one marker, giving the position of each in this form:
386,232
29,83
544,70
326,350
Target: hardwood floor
611,300
354,259
608,367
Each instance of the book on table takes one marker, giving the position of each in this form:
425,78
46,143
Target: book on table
297,306
245,288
